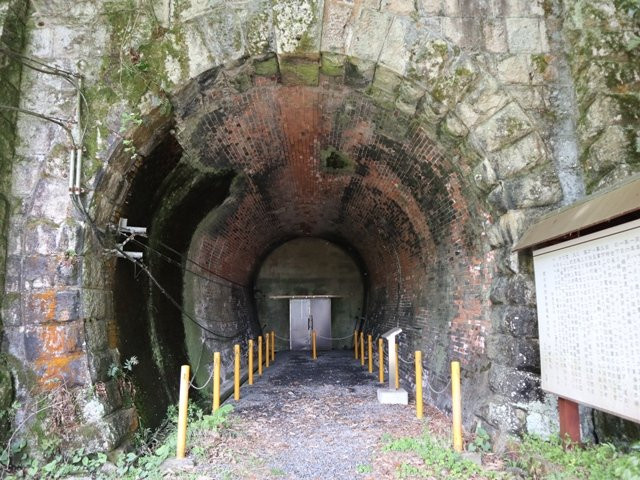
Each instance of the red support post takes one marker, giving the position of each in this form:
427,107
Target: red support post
569,420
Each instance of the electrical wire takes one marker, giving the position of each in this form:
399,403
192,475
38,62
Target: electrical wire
180,265
100,237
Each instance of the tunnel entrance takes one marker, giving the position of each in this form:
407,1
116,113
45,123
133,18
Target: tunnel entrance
308,270
280,192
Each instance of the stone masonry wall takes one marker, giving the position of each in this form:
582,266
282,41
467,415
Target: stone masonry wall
12,15
481,81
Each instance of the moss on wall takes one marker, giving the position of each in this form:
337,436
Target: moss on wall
12,35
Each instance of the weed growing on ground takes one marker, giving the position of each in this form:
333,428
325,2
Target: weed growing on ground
548,459
152,448
439,461
364,468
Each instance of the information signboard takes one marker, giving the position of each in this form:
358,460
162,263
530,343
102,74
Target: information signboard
588,296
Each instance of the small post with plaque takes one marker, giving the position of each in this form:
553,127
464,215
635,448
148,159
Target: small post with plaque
392,395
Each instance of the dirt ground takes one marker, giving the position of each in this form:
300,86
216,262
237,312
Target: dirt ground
306,419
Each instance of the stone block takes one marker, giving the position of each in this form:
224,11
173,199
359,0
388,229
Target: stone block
335,21
519,321
396,51
516,385
465,32
99,363
429,7
390,396
537,189
67,305
527,35
607,151
484,175
521,353
502,129
299,71
68,271
495,35
96,334
366,41
40,307
409,96
505,417
44,342
524,154
513,290
358,73
298,27
399,7
530,97
516,69
11,309
482,100
509,228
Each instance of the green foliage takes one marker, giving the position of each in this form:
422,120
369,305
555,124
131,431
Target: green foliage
439,460
548,459
364,468
482,442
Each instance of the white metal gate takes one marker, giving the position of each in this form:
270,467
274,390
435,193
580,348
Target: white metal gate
305,315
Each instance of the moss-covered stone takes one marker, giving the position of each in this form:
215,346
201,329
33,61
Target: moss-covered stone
299,71
332,64
267,67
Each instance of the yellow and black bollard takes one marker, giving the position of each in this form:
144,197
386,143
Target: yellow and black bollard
216,381
236,373
260,355
250,361
183,406
456,406
381,360
370,352
418,384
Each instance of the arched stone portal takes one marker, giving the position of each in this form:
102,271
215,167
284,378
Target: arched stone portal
407,132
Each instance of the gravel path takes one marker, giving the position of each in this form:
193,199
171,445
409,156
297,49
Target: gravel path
306,419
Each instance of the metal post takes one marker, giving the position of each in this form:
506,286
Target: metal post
418,384
569,422
362,348
456,406
381,360
370,352
236,373
313,345
216,381
250,362
355,344
397,367
260,355
182,411
267,350
393,366
273,345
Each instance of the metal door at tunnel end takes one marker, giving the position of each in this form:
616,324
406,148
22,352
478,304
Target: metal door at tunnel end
305,315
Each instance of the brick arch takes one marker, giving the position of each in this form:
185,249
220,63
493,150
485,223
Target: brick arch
437,157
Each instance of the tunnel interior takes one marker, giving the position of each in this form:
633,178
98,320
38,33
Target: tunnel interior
281,191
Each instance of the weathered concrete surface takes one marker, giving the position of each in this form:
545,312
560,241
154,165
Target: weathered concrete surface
310,267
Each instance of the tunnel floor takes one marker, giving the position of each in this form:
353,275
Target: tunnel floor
306,419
